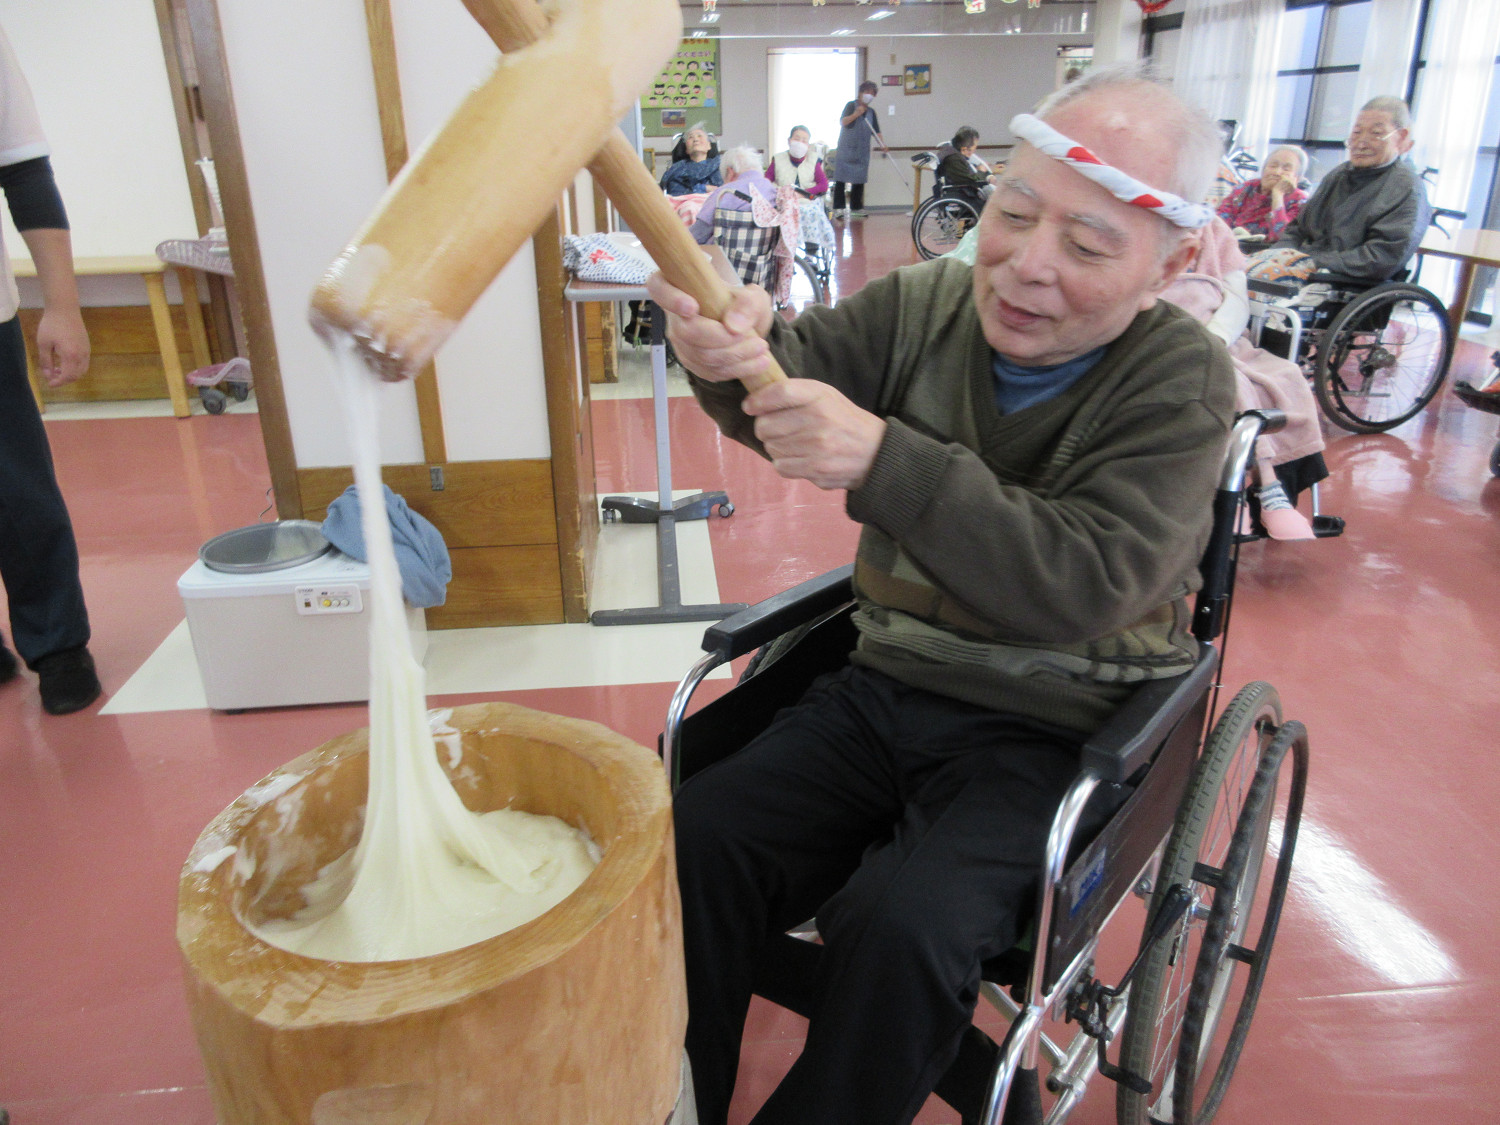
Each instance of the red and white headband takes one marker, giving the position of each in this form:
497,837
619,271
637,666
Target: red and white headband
1047,140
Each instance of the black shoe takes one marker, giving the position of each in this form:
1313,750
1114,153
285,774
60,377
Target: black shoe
10,668
68,681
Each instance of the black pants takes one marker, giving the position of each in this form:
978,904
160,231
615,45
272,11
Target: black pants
38,555
914,827
856,196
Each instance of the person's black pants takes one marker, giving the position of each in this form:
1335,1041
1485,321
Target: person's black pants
38,555
856,196
913,827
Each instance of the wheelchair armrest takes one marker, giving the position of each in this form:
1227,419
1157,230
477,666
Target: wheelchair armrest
1126,742
1272,288
750,628
1338,281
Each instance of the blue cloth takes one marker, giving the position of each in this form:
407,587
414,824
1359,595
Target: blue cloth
421,554
689,177
1018,387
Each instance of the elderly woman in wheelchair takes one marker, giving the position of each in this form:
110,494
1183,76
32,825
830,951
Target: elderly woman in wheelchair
961,182
1035,447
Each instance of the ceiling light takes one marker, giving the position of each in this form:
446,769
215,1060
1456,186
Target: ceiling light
699,35
709,17
843,31
887,14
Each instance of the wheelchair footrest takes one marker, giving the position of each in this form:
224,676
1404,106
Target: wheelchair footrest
1323,527
1327,527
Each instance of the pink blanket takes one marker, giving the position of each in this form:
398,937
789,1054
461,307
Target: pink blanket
1261,379
688,206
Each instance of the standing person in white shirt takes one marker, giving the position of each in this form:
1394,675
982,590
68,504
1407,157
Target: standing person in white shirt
38,554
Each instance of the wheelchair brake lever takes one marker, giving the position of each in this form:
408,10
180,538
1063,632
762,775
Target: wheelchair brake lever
1173,905
1090,1006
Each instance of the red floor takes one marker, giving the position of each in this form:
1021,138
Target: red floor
1380,1003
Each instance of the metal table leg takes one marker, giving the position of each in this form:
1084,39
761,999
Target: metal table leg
664,512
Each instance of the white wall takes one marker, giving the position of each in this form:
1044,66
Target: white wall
490,371
101,87
304,94
1117,32
978,80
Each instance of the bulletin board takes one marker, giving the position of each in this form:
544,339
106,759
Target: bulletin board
685,91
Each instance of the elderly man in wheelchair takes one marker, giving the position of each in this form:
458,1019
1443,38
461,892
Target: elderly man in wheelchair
1334,287
1033,447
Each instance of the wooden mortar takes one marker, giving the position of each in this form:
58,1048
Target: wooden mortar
575,1018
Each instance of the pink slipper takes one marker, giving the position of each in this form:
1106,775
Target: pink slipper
1286,523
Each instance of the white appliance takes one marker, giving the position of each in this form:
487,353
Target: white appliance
285,637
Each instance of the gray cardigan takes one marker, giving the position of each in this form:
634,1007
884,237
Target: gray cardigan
1362,222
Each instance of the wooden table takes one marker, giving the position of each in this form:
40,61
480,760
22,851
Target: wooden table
150,269
1470,249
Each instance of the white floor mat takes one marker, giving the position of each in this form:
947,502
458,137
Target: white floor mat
516,658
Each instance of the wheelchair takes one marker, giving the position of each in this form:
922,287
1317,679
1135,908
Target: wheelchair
1377,354
1193,831
939,224
812,276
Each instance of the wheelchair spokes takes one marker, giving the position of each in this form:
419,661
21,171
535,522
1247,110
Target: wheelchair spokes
1383,358
808,287
1174,1036
941,223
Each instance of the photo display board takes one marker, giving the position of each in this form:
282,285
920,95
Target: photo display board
685,91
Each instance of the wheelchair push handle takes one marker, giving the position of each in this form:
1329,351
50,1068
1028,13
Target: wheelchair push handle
1248,427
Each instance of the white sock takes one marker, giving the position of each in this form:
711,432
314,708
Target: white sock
1273,498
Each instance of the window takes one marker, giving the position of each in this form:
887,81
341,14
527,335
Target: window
810,86
1483,205
1321,45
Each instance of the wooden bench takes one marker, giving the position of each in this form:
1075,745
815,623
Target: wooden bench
151,270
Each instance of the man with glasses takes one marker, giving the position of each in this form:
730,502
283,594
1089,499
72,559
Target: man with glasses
1368,214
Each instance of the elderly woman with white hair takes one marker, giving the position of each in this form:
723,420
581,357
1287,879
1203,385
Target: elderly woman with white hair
1261,208
759,247
743,174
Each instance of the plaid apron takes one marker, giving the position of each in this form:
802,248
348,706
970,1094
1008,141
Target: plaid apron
759,243
751,249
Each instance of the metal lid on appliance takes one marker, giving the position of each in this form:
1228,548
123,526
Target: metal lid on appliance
265,546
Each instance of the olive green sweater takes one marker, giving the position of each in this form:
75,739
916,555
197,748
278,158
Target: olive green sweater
1036,562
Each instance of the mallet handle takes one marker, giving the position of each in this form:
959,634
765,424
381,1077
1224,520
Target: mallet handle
514,24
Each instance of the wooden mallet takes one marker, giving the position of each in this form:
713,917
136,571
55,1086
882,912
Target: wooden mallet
478,188
459,210
515,25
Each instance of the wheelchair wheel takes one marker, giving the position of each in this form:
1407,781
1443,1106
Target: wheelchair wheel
940,225
1383,358
807,288
1175,1033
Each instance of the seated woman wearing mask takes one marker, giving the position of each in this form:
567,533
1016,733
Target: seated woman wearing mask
697,171
793,167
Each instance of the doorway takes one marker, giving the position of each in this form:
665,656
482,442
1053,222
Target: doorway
810,86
